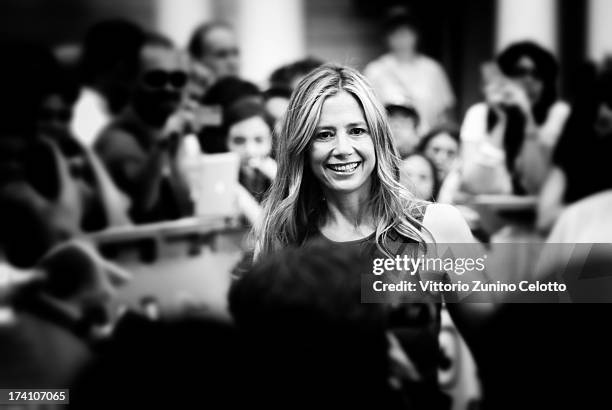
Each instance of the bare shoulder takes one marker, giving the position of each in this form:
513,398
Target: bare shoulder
446,224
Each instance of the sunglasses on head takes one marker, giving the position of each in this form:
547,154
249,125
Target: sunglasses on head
160,78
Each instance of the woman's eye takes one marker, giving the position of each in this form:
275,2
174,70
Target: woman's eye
357,131
324,135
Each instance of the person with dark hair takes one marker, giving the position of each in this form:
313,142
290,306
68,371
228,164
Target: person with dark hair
51,188
229,90
221,96
508,139
405,76
248,130
288,76
34,217
441,146
108,66
311,341
140,147
276,100
404,121
581,159
101,202
56,109
214,45
418,173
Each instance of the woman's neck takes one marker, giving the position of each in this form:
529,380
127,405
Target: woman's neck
349,217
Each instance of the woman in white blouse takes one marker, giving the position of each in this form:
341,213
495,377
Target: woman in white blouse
508,139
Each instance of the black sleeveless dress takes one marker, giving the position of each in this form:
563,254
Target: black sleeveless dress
415,324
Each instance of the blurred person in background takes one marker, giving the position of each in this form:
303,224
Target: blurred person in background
108,64
404,75
200,80
102,203
276,102
215,45
585,221
57,107
31,221
60,318
249,134
139,148
418,173
220,97
441,146
289,75
507,140
51,188
581,161
404,122
230,90
309,339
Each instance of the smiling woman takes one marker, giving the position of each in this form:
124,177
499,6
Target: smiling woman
338,171
338,183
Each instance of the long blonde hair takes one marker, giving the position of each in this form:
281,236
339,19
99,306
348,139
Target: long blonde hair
294,204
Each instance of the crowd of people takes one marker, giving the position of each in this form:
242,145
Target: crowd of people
336,168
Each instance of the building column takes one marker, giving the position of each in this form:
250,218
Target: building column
271,33
535,20
178,18
599,29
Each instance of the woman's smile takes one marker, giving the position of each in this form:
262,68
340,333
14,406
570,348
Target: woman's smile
346,168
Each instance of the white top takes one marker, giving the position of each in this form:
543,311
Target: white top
90,116
484,170
420,82
585,221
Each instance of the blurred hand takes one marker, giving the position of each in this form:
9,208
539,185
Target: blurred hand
402,368
504,93
178,124
266,166
495,94
517,96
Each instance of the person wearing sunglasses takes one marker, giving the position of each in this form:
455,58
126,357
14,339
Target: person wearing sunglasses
140,147
508,140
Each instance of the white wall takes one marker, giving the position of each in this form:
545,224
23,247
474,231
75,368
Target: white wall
599,29
271,33
534,20
178,18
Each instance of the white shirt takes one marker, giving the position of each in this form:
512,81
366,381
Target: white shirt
585,221
484,168
420,82
567,256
